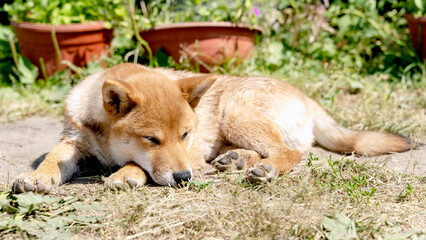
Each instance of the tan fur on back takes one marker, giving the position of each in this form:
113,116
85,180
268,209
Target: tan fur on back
298,118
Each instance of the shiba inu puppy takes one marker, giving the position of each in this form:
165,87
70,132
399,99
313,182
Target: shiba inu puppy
162,123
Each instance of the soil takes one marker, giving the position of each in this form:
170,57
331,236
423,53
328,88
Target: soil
25,143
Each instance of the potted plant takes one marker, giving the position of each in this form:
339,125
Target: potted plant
50,31
217,32
416,21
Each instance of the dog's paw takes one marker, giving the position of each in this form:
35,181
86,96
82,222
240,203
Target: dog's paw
119,181
38,182
265,172
229,161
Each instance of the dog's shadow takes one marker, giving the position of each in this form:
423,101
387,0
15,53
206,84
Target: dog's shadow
37,161
90,170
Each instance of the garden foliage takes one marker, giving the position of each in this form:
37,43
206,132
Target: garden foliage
365,37
66,12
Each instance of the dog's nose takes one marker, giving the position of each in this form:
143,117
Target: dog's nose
182,176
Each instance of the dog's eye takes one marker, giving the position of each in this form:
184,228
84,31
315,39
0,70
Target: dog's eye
184,135
152,139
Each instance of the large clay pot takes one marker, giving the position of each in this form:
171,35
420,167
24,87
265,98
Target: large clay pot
212,43
79,43
417,28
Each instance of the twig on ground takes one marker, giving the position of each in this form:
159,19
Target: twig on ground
7,160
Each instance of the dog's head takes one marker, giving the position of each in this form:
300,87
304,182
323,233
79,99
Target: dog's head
153,122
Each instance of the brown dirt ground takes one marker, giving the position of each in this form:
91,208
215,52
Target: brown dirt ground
24,143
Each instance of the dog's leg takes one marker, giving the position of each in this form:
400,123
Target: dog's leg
258,169
281,160
58,166
236,159
130,175
263,138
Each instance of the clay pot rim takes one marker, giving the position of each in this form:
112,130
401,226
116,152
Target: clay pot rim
61,28
188,25
410,17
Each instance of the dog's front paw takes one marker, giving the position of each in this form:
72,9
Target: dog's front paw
38,182
265,172
120,181
229,161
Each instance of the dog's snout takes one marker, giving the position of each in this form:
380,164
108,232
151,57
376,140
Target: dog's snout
182,176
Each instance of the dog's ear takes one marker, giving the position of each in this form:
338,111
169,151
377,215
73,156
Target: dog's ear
117,98
195,87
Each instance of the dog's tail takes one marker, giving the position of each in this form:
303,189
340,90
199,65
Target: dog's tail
329,134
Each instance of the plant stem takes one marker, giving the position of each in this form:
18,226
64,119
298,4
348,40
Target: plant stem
56,46
138,36
296,23
73,67
13,49
144,9
43,68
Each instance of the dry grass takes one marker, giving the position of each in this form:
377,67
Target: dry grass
222,206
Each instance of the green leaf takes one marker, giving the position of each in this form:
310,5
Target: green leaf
43,217
26,71
31,226
57,92
29,202
339,227
5,204
400,236
276,55
82,219
419,4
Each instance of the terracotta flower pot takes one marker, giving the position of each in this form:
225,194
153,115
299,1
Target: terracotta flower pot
212,43
417,27
79,43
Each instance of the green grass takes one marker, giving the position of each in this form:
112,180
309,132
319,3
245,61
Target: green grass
16,104
41,97
369,102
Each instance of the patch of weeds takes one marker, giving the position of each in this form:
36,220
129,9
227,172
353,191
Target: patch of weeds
357,188
198,185
33,215
405,194
334,166
242,181
311,159
345,174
